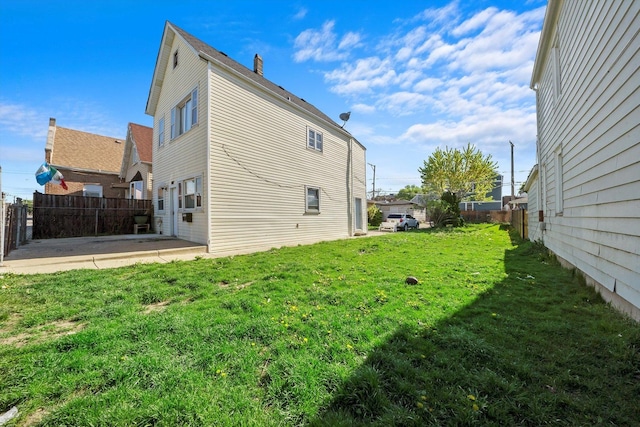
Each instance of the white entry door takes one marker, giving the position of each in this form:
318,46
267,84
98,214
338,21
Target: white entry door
358,213
174,211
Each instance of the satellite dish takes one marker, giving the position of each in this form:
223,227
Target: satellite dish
345,117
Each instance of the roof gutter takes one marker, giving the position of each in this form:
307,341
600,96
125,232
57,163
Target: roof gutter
548,28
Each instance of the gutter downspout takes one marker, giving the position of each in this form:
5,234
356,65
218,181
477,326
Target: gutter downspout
208,168
350,195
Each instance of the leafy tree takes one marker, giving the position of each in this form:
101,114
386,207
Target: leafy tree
408,192
374,215
458,175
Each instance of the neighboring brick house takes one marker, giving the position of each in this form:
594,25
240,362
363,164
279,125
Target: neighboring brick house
90,163
136,169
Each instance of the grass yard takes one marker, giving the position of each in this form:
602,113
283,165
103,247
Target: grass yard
495,333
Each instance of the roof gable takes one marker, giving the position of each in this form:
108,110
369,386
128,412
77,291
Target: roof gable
142,138
87,151
221,59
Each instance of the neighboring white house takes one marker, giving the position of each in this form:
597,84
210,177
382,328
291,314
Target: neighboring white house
137,169
584,194
241,164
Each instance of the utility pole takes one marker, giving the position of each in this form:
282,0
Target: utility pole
373,187
513,182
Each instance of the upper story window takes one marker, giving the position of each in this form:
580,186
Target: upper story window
161,132
184,115
314,139
175,59
557,72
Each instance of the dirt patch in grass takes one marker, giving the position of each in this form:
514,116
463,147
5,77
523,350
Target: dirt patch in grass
156,307
39,334
35,417
225,284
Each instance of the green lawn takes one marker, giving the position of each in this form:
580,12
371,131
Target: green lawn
495,333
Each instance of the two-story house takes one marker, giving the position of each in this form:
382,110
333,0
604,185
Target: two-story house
242,164
584,193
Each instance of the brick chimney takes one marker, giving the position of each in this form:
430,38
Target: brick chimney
51,135
257,65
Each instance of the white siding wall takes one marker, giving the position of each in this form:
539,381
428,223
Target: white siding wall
360,183
532,188
260,165
186,155
593,123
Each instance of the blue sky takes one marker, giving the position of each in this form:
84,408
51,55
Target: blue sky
415,75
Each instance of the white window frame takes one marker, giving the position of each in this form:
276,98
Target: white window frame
559,183
92,190
160,199
315,139
190,194
311,208
184,116
161,132
136,189
557,72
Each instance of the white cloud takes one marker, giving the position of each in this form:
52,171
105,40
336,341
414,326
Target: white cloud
23,121
440,16
366,74
349,40
427,85
300,14
489,130
446,78
474,22
322,45
363,108
404,103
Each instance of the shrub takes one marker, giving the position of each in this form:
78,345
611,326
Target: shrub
374,215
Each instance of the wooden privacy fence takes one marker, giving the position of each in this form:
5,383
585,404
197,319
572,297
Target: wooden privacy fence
520,222
15,226
56,216
485,216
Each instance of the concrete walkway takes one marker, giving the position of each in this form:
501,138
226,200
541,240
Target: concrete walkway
51,255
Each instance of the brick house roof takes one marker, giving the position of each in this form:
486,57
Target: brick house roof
143,138
85,151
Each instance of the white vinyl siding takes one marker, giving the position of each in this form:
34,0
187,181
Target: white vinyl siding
594,181
260,168
186,157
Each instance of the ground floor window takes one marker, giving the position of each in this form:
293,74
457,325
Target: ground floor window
160,199
135,190
190,193
92,190
313,200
